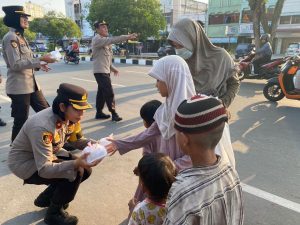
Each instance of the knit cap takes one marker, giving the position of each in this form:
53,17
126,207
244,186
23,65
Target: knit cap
199,114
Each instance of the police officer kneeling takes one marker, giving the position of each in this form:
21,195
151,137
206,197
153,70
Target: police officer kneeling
37,155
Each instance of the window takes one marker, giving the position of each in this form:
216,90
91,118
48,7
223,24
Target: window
285,20
246,16
216,19
296,19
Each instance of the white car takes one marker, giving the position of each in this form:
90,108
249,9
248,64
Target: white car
83,49
293,49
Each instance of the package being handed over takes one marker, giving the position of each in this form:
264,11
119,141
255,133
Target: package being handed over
97,151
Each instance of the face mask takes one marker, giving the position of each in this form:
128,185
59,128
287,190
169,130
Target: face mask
184,53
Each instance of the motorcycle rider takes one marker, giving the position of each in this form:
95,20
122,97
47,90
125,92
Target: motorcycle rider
73,49
263,55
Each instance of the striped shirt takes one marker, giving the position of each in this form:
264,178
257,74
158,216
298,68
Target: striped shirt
206,195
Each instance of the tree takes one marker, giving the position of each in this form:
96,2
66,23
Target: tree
139,16
55,27
259,15
3,29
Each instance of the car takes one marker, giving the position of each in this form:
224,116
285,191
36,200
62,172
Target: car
166,50
243,49
41,46
83,49
293,49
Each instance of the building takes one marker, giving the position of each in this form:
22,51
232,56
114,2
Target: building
175,10
230,22
77,10
35,10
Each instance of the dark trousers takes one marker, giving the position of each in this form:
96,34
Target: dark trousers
259,62
105,93
20,108
65,190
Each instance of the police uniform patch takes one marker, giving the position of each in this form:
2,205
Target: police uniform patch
13,43
47,138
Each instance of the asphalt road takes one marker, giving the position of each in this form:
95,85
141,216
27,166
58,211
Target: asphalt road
265,137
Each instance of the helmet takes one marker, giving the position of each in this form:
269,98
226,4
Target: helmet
265,37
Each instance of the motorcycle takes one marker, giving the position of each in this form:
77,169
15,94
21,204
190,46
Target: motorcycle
283,86
75,58
266,71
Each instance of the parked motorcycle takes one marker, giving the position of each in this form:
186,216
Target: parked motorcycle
75,58
266,71
283,86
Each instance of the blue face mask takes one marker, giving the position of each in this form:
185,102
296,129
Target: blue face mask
184,53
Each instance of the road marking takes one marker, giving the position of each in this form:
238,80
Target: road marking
92,81
4,146
271,198
5,98
131,71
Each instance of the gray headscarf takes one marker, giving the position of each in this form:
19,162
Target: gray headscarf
210,65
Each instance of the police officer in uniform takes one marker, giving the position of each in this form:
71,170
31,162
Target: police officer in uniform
102,67
21,85
37,156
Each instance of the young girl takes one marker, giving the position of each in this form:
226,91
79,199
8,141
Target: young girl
156,173
174,82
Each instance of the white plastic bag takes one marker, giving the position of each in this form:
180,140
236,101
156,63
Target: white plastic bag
96,151
224,147
56,55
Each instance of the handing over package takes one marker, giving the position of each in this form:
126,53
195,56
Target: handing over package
97,150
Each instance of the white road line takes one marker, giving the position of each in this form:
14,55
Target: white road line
5,98
92,81
131,71
4,146
271,198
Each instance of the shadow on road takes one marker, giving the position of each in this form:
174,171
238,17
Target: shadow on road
27,218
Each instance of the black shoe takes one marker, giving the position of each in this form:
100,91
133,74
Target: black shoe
2,123
56,215
115,117
102,116
44,199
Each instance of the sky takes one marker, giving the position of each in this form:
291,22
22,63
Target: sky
56,5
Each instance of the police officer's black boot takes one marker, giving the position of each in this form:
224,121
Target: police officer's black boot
56,215
115,117
44,199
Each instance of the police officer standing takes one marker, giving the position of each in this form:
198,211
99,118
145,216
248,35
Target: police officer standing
37,156
21,85
102,63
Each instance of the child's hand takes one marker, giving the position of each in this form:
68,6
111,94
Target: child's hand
111,148
132,203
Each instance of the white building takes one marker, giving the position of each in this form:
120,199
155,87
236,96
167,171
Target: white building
77,10
175,10
35,10
288,29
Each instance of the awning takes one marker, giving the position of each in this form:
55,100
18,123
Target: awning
224,40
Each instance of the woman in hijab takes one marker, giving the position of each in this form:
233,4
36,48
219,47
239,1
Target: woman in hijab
212,68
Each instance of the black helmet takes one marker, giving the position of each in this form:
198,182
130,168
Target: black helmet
265,37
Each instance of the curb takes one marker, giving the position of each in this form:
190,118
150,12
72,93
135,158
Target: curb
144,62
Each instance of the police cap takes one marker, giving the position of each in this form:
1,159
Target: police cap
76,95
99,23
14,9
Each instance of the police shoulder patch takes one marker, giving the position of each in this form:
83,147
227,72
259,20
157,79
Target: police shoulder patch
14,43
47,138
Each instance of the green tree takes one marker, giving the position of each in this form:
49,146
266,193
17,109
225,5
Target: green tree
134,16
259,15
29,35
3,29
55,27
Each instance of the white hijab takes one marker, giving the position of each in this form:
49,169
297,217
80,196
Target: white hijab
174,71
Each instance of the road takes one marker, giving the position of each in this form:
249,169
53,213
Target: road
265,137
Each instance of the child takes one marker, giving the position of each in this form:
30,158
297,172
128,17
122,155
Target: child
156,172
210,192
147,112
